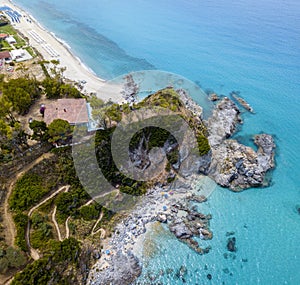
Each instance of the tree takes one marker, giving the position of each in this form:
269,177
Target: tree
60,131
52,87
6,110
21,93
40,131
55,88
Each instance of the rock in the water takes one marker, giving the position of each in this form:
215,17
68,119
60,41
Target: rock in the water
198,199
298,209
243,102
162,218
223,122
231,244
239,167
180,230
234,165
213,97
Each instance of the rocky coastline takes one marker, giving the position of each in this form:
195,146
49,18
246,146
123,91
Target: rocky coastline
229,163
234,165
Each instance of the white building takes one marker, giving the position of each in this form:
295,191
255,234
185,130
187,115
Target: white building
20,55
11,40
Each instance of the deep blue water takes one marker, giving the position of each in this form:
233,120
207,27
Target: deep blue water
225,45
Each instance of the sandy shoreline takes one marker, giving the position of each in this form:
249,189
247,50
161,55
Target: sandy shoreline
50,47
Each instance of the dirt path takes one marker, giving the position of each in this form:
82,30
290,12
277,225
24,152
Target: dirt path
67,228
8,222
103,232
56,224
33,253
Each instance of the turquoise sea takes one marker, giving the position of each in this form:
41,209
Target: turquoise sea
248,46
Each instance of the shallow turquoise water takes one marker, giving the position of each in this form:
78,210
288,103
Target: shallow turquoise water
225,45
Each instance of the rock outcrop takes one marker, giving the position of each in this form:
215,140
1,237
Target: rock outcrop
223,122
189,103
194,224
123,270
130,90
234,165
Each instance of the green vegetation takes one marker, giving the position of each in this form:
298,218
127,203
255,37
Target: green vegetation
28,191
59,262
42,64
110,170
60,131
55,88
21,222
20,93
52,268
11,258
68,203
91,212
203,144
30,51
9,29
147,138
42,230
5,46
40,131
166,98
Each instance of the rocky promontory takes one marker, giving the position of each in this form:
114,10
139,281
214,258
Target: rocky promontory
172,205
233,164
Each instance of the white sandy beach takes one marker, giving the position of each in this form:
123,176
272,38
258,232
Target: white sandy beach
51,48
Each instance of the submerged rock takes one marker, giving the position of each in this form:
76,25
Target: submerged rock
213,97
231,244
243,102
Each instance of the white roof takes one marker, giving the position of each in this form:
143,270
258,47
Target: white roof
10,39
17,53
20,55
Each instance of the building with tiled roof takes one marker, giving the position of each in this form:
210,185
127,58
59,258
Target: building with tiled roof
74,111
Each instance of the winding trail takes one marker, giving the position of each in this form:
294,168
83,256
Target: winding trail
103,232
8,222
67,227
33,253
56,224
